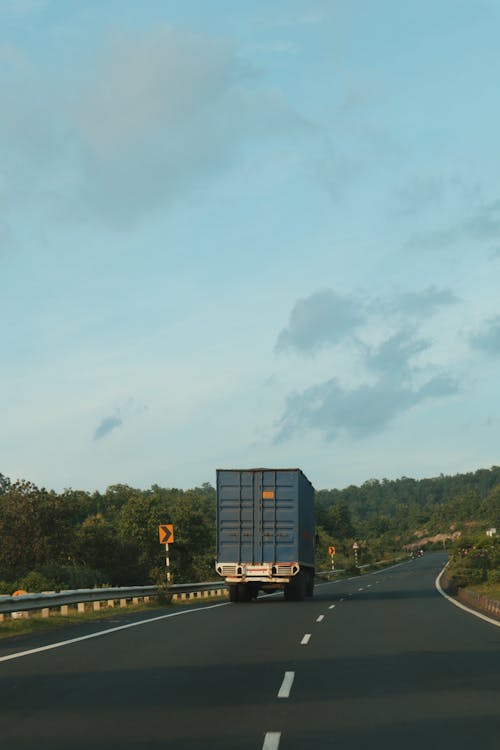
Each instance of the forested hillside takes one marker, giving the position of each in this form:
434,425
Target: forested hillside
76,539
403,506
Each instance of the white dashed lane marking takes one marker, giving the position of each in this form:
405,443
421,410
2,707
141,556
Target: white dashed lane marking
271,741
305,640
320,618
286,685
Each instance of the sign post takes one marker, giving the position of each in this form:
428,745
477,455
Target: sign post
166,534
331,552
355,547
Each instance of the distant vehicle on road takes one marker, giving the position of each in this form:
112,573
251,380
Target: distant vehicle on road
265,532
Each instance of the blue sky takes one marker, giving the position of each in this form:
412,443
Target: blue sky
248,234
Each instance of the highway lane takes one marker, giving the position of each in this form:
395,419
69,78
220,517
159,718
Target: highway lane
388,663
407,670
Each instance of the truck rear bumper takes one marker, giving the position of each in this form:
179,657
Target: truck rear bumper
268,574
266,580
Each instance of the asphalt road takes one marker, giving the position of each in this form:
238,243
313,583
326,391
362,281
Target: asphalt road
388,664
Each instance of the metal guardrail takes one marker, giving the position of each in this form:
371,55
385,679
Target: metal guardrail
31,602
46,601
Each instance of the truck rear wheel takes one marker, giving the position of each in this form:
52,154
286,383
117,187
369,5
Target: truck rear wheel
244,592
295,591
240,592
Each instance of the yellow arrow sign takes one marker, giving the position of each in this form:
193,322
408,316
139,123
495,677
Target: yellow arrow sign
166,533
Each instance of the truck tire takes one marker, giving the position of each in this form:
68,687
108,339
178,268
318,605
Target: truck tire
295,591
233,593
253,589
244,592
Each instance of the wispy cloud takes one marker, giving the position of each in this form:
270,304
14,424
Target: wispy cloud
162,110
311,17
484,225
396,380
326,317
362,412
107,426
322,319
418,304
22,8
158,110
488,338
129,409
371,407
419,194
394,355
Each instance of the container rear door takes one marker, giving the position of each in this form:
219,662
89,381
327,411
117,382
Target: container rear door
235,516
257,516
279,516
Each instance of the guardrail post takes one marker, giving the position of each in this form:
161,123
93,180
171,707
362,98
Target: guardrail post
81,607
64,609
135,600
97,606
111,603
123,603
46,612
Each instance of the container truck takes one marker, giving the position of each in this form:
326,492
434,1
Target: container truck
265,532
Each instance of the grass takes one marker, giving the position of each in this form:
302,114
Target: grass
11,628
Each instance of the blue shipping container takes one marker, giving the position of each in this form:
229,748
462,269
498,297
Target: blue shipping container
265,516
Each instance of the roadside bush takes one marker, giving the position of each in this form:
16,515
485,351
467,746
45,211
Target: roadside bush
72,576
494,576
34,582
462,573
474,561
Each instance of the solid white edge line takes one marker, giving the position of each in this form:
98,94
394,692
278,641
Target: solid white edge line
320,618
437,583
108,631
305,640
271,741
286,685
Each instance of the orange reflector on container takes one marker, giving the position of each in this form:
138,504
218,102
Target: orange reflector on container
268,494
